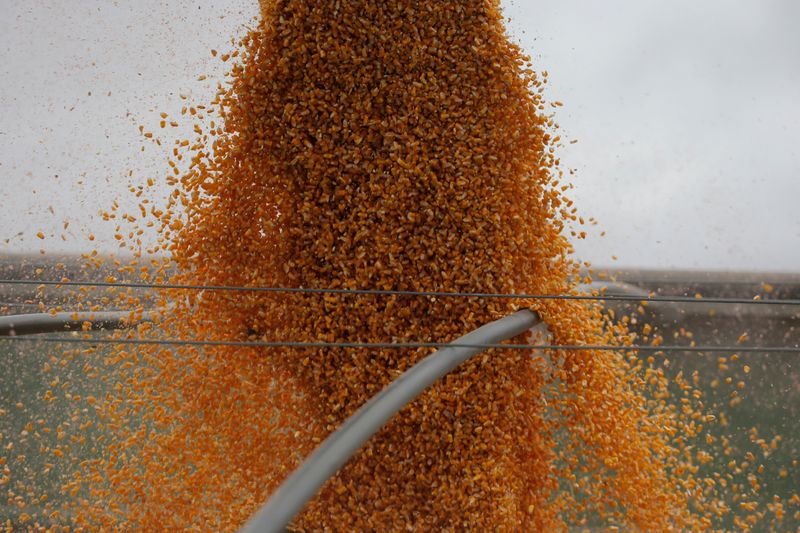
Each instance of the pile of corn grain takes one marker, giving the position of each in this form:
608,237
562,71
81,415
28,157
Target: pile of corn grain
381,145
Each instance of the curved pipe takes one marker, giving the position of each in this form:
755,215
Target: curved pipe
334,452
31,324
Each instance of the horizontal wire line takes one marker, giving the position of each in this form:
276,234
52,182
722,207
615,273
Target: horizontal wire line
405,345
379,292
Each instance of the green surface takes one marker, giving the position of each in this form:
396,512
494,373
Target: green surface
768,404
33,426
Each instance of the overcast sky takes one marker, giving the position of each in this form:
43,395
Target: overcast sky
686,112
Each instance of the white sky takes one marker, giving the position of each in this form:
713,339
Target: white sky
687,116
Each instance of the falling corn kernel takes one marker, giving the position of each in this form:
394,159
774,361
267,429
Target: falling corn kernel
367,145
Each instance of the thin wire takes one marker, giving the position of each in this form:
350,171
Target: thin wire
407,345
378,292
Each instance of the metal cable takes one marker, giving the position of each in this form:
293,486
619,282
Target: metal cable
406,345
379,292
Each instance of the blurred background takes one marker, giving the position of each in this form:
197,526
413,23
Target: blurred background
686,116
687,121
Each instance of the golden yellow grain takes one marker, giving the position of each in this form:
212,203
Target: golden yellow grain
379,145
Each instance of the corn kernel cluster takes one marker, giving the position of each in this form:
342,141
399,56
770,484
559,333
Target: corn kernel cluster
396,146
385,145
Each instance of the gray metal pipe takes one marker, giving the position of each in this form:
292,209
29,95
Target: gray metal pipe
31,324
334,452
